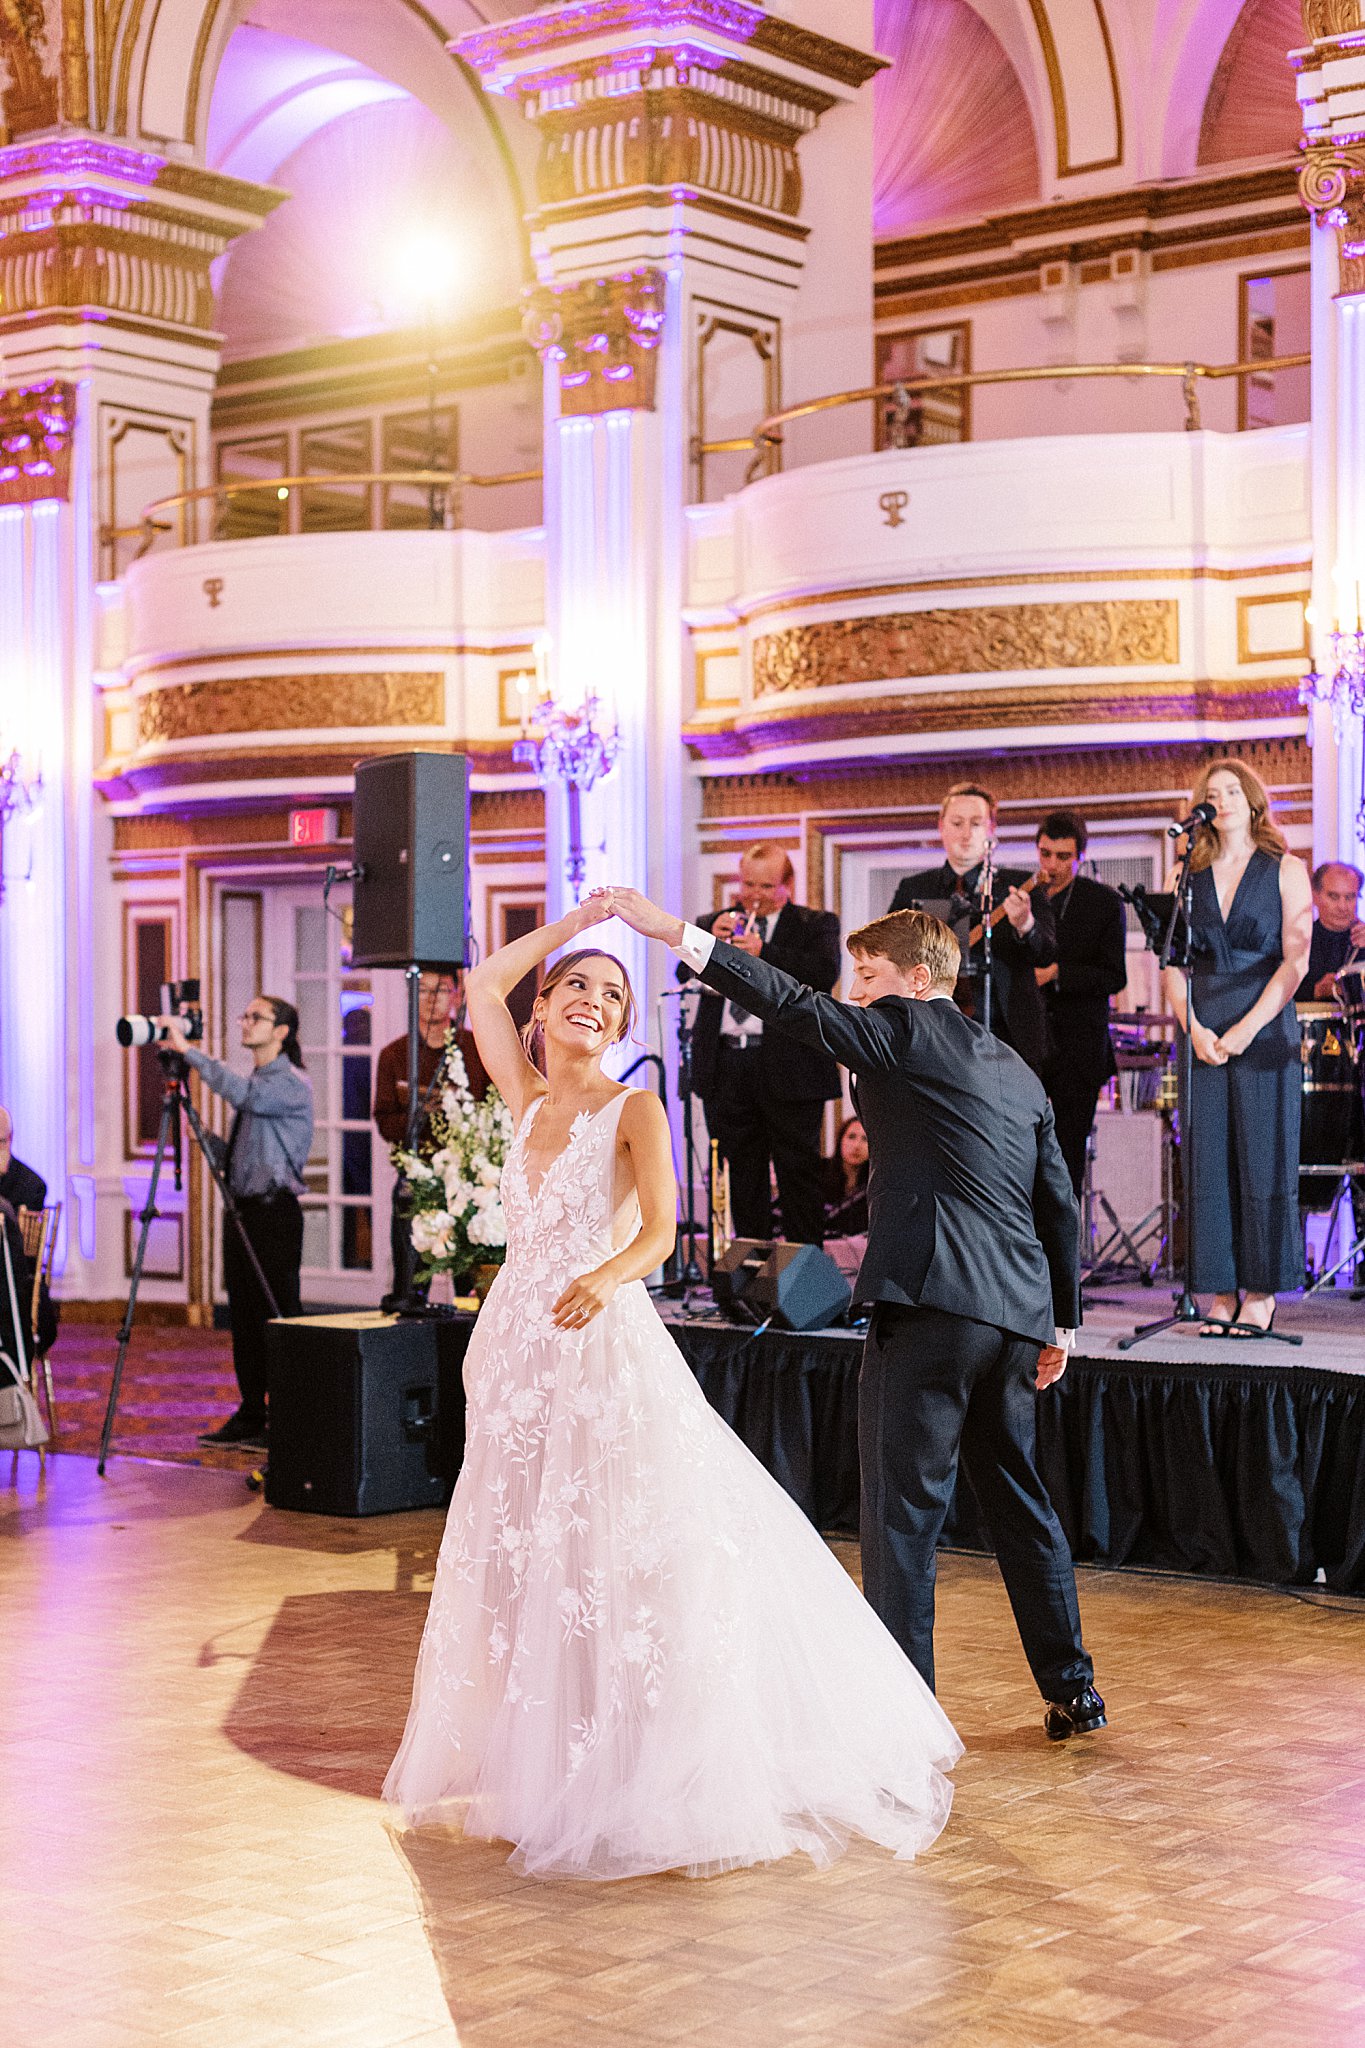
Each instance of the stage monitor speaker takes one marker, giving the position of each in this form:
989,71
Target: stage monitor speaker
796,1286
411,838
366,1413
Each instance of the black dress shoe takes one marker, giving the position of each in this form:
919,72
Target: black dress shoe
240,1428
1081,1716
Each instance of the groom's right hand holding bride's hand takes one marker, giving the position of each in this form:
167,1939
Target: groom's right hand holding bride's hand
643,916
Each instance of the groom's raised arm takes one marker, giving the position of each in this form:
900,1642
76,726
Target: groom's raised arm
862,1040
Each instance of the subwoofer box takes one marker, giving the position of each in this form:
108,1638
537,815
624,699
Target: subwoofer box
366,1412
797,1286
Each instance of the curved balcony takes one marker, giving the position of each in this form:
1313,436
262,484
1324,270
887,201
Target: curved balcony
251,662
1065,584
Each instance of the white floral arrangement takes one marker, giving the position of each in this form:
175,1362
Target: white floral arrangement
455,1180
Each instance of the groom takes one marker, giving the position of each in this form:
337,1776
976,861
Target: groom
971,1268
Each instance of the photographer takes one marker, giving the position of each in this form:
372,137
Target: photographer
267,1150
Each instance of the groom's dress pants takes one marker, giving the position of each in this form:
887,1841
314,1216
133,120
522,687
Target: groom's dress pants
935,1386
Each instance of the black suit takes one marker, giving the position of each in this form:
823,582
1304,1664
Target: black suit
1017,1012
972,1259
1092,965
765,1103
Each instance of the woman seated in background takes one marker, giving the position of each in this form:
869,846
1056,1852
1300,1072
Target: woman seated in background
845,1182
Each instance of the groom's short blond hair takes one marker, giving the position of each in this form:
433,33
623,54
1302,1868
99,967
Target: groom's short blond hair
911,938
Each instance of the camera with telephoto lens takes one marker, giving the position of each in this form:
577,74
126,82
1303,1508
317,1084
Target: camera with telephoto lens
179,999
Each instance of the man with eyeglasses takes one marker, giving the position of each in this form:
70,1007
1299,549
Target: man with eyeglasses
267,1152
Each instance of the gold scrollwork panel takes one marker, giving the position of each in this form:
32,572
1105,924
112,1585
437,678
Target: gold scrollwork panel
981,640
241,704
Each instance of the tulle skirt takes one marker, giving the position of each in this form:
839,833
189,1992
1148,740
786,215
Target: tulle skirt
639,1655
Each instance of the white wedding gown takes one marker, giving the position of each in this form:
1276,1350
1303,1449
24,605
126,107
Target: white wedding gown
639,1655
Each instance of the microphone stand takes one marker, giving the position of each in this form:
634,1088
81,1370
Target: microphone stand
690,1273
986,890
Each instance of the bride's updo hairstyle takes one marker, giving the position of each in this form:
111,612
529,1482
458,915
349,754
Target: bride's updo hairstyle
533,1037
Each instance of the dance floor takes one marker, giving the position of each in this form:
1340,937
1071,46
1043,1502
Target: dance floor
202,1695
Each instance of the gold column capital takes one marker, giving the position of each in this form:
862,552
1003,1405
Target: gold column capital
37,425
603,334
1332,187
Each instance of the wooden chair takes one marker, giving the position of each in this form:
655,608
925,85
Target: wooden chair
39,1227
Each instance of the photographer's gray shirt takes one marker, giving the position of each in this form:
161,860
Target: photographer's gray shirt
273,1131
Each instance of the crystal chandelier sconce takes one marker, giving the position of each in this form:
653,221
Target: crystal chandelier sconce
576,747
1343,686
18,792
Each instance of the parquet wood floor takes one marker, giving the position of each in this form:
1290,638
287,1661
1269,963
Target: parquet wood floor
200,1698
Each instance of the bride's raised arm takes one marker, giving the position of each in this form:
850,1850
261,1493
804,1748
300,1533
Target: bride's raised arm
488,986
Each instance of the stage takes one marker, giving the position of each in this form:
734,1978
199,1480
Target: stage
1216,1456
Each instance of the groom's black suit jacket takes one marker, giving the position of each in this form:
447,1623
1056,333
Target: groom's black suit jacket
970,1206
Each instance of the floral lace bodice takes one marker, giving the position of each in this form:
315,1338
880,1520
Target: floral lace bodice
565,1227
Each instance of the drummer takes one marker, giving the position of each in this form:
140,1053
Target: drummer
1338,932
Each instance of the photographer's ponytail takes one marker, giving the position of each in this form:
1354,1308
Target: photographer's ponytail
286,1014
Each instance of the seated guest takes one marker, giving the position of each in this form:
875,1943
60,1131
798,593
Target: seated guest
1022,936
440,1000
765,1098
845,1177
22,1189
1338,932
20,1186
1091,966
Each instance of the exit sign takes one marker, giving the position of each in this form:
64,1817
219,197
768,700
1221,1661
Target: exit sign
312,828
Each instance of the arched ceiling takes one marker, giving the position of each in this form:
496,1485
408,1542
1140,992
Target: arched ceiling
372,133
950,84
1251,109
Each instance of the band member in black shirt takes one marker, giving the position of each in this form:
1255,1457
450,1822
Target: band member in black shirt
1338,932
1021,935
1091,966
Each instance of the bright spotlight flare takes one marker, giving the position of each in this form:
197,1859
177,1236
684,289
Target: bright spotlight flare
428,265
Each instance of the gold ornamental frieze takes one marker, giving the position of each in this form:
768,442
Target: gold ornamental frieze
979,640
312,703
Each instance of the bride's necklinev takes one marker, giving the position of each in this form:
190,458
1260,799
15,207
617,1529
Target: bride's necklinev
579,1121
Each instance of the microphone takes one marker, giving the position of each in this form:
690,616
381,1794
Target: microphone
1202,814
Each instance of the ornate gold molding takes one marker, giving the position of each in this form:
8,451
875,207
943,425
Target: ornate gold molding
603,335
653,98
1018,775
313,703
1117,633
1332,187
36,428
1323,18
89,223
1037,707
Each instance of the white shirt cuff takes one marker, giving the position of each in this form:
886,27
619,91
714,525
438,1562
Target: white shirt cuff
1065,1339
695,947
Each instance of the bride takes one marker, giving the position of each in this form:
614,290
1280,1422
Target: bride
639,1655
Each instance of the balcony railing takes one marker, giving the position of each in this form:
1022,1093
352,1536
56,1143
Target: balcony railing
250,509
768,435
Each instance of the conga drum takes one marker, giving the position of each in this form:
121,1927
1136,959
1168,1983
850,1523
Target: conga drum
1332,1126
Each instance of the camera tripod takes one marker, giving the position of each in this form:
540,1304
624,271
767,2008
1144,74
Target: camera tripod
175,1098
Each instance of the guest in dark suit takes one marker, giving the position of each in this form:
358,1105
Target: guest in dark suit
1022,935
20,1186
1091,966
440,1003
765,1100
971,1269
1338,932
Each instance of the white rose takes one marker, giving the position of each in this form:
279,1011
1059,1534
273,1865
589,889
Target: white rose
431,1232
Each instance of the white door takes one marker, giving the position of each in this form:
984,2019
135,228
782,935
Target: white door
345,1016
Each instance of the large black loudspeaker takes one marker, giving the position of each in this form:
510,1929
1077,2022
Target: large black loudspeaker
411,838
798,1286
366,1413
